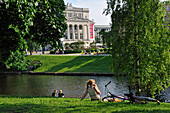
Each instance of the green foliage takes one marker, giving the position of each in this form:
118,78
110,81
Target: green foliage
140,42
77,45
67,46
52,52
87,50
97,39
48,22
37,21
17,61
71,51
10,29
93,45
36,65
103,35
93,50
67,105
105,49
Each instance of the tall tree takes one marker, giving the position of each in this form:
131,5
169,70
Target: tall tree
10,37
49,22
103,35
140,43
41,21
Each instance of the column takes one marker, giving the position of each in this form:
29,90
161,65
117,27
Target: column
73,33
83,32
78,31
68,32
88,32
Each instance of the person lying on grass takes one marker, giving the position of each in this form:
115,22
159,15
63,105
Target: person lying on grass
94,92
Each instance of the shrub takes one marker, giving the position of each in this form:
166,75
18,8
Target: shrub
17,61
105,49
72,51
87,50
101,50
37,65
52,52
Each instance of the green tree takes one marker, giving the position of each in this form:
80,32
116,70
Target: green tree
48,23
17,61
11,38
103,35
40,21
77,45
140,43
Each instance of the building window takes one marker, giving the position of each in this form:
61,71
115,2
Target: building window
69,14
81,36
71,36
79,15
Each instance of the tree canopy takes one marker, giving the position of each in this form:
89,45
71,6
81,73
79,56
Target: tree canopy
140,42
42,22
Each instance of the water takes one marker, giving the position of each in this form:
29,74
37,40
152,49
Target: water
43,85
72,86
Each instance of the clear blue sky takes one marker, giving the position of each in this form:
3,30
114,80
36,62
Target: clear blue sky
96,8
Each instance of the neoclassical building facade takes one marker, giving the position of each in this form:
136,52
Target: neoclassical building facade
79,27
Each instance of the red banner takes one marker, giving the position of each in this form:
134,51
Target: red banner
91,30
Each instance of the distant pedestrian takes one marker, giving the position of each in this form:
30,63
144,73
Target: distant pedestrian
97,51
82,52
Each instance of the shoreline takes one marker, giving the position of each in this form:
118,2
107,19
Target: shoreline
63,73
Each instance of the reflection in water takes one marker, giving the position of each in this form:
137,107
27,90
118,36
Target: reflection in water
72,86
43,85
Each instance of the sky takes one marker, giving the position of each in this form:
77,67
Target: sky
96,8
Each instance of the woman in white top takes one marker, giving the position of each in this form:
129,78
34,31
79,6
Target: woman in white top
93,91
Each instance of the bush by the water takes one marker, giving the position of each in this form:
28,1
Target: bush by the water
17,61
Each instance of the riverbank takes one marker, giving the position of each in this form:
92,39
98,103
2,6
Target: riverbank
63,74
72,64
63,105
77,65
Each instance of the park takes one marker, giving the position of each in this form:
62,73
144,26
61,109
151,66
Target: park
134,58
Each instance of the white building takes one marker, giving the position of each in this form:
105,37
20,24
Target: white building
97,29
80,28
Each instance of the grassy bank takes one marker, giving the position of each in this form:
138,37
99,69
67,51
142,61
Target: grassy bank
99,64
48,104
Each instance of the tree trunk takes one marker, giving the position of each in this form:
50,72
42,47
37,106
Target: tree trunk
30,52
43,49
136,63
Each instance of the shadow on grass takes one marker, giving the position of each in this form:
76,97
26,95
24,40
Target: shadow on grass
125,107
82,106
84,64
30,108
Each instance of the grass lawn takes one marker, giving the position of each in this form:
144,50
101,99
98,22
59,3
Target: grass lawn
71,105
99,64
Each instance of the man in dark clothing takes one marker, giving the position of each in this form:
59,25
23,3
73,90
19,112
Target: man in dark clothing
60,94
54,94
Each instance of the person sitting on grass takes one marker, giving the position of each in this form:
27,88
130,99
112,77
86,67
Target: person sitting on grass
60,94
54,94
94,92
